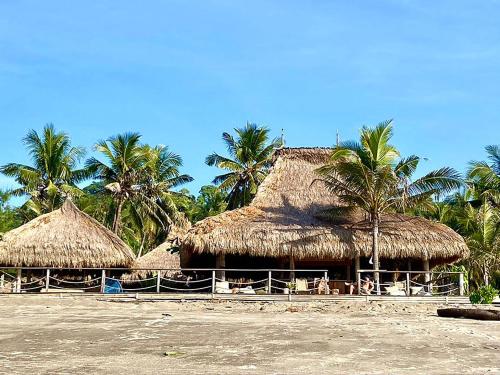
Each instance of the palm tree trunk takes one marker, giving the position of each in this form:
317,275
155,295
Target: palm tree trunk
376,265
486,276
139,254
118,216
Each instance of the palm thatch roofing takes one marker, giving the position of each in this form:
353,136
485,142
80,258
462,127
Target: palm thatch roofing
284,219
64,238
163,257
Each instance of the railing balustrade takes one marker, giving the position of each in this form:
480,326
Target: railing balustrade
225,281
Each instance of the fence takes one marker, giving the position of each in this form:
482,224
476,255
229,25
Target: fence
423,283
215,281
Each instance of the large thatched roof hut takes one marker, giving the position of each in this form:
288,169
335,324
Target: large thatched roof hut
284,220
64,238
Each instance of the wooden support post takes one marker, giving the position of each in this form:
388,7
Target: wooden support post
327,291
220,263
358,281
18,280
292,268
158,282
269,282
461,283
427,275
348,272
103,281
357,265
2,281
213,283
47,280
408,290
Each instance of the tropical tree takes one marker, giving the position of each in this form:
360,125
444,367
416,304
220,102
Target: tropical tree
372,176
211,201
247,165
120,176
481,227
484,178
53,174
9,217
138,175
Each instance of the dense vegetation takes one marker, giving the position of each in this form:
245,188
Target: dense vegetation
136,189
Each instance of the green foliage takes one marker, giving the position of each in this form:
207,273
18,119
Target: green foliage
483,295
9,217
475,214
247,165
139,178
372,176
52,175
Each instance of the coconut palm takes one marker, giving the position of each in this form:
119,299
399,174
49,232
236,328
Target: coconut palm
484,178
53,174
247,165
139,175
481,227
371,175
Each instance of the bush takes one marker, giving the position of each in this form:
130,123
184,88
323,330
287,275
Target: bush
484,295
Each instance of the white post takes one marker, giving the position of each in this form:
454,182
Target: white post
47,280
103,281
269,282
427,275
358,281
18,281
2,281
408,284
461,283
158,282
213,283
327,291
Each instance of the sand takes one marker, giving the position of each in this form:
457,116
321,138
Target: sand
70,335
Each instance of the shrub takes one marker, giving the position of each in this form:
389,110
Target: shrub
484,295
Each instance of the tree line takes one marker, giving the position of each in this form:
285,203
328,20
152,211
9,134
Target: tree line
136,189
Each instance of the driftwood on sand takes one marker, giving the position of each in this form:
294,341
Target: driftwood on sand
479,314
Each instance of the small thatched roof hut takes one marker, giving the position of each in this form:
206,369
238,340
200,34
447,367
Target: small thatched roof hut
284,220
64,238
163,257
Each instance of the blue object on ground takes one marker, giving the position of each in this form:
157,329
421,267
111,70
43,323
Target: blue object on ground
112,286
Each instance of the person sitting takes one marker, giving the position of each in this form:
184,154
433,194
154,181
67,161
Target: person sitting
367,286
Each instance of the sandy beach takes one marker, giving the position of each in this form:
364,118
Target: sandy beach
53,335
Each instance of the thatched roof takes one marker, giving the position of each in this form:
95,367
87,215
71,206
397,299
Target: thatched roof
163,257
64,238
283,219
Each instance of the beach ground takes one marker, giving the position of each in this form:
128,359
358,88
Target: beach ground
71,335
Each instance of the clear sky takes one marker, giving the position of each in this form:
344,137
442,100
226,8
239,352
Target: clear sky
182,72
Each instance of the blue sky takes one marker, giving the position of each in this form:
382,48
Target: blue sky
182,72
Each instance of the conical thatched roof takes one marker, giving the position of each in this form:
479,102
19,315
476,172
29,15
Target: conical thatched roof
64,238
283,219
163,257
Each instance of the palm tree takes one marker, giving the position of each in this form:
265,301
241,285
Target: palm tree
247,165
139,175
126,159
481,227
53,174
370,175
485,178
211,201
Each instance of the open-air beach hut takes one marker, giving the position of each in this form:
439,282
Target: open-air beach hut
164,258
283,228
64,238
